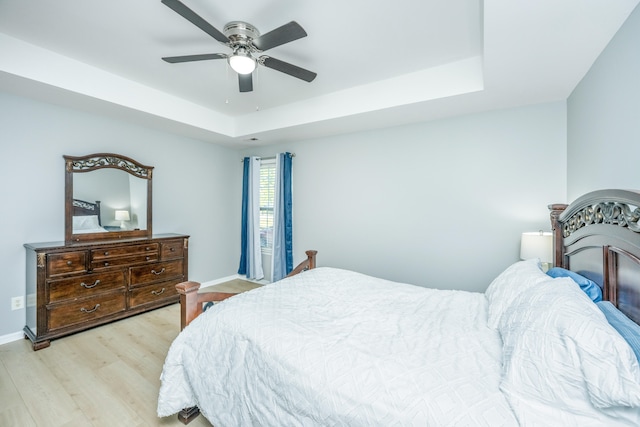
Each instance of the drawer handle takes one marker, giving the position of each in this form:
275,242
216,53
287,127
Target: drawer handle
158,293
69,263
172,249
106,264
96,283
106,253
147,248
157,273
147,258
84,310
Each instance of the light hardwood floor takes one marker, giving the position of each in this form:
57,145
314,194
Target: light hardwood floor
106,376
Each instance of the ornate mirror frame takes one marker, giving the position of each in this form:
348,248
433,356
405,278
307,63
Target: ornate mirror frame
83,164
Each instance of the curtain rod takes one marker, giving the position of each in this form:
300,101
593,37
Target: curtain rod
269,158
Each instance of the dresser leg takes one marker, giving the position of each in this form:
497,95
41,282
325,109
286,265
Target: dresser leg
39,345
188,414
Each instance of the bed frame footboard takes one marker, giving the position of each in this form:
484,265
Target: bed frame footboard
191,300
191,306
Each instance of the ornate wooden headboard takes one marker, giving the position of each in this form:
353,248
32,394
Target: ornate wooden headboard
598,236
82,207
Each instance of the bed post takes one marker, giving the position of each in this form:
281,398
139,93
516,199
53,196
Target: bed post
188,414
188,292
190,308
307,264
558,250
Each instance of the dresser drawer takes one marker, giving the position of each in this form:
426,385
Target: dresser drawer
151,273
114,262
119,251
153,293
85,286
86,310
66,263
114,256
172,249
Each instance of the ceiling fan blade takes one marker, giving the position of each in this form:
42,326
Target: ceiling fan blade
188,14
246,82
287,68
189,58
281,35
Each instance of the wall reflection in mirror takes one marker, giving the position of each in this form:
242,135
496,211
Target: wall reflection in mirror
120,195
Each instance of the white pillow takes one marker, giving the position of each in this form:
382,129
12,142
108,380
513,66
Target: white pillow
516,279
562,357
85,222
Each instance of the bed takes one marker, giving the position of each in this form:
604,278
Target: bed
331,347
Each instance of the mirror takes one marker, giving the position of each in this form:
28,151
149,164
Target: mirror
107,196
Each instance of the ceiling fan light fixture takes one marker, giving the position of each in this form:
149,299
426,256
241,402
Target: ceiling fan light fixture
242,62
245,41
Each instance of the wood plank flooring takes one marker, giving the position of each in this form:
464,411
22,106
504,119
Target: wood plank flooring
106,376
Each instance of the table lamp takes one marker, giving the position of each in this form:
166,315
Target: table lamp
122,216
537,244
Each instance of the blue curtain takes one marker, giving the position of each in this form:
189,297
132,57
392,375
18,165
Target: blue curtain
245,206
282,259
250,251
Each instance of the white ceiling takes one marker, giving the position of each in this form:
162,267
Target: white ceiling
379,63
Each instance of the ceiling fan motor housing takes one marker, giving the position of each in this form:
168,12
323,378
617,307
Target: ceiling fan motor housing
240,33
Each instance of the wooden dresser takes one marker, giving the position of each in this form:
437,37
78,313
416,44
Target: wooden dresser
71,288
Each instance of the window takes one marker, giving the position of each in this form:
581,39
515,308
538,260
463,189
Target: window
267,197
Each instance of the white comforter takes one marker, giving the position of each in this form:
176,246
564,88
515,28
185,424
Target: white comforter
336,348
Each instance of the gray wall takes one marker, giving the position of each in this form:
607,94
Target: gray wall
196,188
438,204
603,118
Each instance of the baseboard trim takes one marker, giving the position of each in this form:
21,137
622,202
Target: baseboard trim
221,280
6,339
228,278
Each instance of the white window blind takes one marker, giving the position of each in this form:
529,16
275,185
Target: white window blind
267,195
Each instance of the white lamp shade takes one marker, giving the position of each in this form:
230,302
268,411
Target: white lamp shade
242,63
537,244
122,216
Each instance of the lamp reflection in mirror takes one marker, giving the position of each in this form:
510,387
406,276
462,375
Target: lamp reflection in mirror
122,216
537,244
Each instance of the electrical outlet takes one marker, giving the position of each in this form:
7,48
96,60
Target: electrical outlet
17,303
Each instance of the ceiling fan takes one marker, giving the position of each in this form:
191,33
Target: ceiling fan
244,40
